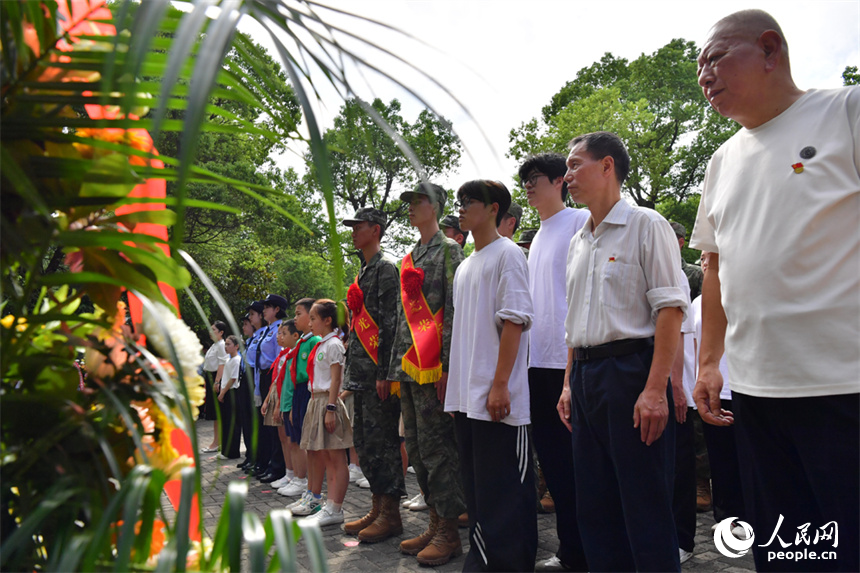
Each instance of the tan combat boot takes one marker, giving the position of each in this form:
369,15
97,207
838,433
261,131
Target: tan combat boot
354,527
387,523
444,546
416,544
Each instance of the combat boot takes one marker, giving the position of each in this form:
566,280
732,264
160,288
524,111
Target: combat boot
387,523
416,544
354,527
444,546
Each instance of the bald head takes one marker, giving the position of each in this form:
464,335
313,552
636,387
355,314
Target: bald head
750,25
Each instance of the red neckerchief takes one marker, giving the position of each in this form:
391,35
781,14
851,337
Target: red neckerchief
294,368
278,375
312,356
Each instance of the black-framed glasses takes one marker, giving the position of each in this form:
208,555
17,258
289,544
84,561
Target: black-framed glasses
531,180
466,204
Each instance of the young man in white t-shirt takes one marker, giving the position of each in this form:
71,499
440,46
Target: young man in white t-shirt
542,176
488,387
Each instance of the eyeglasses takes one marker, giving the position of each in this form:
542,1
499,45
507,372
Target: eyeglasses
465,204
531,180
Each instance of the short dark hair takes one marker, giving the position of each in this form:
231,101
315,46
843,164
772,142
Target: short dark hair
234,339
305,303
601,144
487,192
553,165
221,326
291,325
508,215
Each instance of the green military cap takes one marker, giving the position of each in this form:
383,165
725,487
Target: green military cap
435,193
527,236
515,211
368,214
680,230
451,221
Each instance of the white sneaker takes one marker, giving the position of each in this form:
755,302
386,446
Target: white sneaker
363,483
355,473
685,555
296,487
410,469
410,501
308,506
327,516
296,503
279,483
738,531
419,504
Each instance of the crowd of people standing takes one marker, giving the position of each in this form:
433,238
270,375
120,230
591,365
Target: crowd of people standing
592,349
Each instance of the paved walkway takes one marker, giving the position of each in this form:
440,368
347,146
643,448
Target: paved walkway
346,554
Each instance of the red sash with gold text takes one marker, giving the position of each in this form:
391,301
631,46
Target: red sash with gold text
363,325
423,360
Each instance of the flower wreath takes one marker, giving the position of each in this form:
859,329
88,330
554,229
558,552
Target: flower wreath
354,298
413,280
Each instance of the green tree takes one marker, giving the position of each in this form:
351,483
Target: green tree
850,77
653,103
370,169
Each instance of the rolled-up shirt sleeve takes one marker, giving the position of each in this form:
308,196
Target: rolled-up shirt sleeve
663,275
514,301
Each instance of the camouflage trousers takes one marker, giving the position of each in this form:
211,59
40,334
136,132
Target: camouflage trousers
432,448
374,431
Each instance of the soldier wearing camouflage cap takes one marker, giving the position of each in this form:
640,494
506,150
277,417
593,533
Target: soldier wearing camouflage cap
420,368
694,272
372,298
450,225
511,221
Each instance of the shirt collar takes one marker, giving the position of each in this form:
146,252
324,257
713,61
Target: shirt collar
306,336
328,336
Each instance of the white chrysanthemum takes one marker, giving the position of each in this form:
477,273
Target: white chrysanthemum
188,347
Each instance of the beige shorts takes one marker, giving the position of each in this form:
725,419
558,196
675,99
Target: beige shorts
273,411
315,437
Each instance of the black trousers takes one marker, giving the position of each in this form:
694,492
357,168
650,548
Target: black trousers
726,490
498,481
245,416
800,459
684,496
229,424
552,444
207,410
623,487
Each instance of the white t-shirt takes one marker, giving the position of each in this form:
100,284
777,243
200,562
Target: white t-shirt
789,247
547,260
490,287
621,276
330,351
231,371
216,356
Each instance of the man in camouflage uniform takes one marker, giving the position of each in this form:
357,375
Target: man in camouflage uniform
430,439
450,225
377,412
525,241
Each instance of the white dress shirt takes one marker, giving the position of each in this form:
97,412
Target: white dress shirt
621,275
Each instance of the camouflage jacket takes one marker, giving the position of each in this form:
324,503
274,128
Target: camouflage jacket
694,277
379,281
439,260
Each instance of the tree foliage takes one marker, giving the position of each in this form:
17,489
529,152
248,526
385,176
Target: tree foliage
850,77
371,170
653,103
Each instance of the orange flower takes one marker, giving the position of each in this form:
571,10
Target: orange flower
157,543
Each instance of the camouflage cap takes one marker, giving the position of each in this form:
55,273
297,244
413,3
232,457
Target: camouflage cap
527,236
435,193
452,222
515,211
368,214
680,230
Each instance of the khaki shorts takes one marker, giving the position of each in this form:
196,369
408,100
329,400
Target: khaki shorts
315,437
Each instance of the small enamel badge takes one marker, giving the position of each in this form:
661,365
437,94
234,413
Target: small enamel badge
611,259
807,152
798,167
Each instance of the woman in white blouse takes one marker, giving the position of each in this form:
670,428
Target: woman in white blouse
213,369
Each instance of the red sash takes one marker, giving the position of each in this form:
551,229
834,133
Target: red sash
365,328
311,366
423,360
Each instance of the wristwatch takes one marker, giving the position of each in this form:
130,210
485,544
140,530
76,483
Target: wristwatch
331,408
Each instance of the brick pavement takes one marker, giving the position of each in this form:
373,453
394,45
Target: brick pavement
345,554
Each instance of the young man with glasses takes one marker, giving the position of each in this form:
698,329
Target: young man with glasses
542,177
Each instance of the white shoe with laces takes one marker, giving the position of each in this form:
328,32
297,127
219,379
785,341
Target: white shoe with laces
279,483
685,555
355,473
363,483
308,506
410,501
418,503
296,487
327,516
296,503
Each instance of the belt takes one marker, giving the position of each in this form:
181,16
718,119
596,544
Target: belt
614,348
